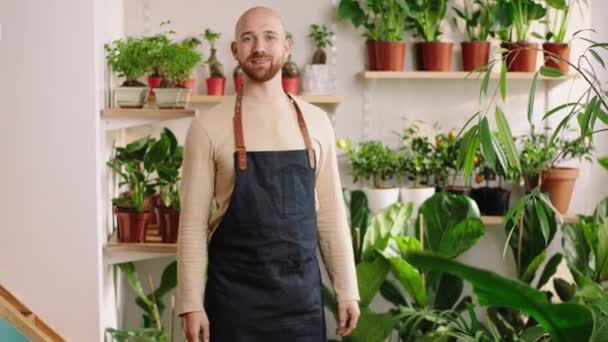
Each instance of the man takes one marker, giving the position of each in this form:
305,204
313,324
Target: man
269,161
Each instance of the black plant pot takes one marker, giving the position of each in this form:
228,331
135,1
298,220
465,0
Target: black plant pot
491,201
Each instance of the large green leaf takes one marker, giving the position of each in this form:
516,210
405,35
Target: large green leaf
444,290
575,247
506,139
370,276
604,162
372,327
443,212
461,237
390,221
601,258
130,274
391,293
409,277
565,322
549,271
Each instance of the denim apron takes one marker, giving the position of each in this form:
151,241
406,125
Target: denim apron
263,277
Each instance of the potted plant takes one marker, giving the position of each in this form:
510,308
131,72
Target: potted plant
154,46
127,58
216,81
416,165
425,18
166,158
390,47
132,208
375,163
361,15
191,42
518,15
290,75
491,200
444,164
178,61
555,39
478,28
238,75
318,77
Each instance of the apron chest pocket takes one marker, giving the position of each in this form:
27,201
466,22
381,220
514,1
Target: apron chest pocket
294,192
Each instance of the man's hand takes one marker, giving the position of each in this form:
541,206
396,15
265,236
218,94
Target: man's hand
193,323
348,315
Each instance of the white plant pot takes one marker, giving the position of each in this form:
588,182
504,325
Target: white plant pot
417,196
318,79
130,97
378,199
172,97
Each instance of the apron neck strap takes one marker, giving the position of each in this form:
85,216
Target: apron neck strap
240,142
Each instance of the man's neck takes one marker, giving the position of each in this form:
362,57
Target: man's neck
264,91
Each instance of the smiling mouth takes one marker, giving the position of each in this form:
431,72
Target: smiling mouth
258,61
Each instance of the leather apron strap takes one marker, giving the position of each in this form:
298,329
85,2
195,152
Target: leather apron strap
240,142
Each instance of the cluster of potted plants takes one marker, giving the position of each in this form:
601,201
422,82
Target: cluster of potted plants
511,21
168,65
141,204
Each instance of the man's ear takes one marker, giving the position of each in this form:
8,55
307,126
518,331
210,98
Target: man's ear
234,50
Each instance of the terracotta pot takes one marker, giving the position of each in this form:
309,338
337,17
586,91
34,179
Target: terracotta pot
370,47
238,83
168,223
559,183
561,50
437,56
291,84
390,56
522,56
475,55
131,225
190,84
215,86
154,82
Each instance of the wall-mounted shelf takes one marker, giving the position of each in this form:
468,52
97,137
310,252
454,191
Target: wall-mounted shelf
117,252
116,118
315,99
455,75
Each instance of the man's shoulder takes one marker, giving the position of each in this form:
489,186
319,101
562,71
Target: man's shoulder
218,117
317,119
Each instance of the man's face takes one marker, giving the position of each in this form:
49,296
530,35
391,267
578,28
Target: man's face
260,47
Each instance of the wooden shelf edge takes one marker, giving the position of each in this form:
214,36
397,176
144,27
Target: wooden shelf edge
316,99
147,113
455,75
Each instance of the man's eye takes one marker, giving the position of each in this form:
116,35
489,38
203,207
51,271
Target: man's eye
246,39
270,37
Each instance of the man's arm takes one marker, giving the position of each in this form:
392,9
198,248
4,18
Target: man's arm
196,191
335,240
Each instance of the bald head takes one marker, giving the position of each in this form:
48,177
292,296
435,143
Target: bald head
259,18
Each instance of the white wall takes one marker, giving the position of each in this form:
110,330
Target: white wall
50,242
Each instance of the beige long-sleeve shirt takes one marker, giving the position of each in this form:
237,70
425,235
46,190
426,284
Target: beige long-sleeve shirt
208,173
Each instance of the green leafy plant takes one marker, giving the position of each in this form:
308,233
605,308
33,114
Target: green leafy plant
137,335
166,156
557,17
156,47
360,14
215,67
444,158
371,160
181,59
477,18
417,155
128,57
321,37
425,17
131,165
564,322
516,16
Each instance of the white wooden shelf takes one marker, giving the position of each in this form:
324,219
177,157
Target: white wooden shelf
455,75
118,252
116,118
315,99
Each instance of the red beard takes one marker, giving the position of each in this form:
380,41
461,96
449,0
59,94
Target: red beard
262,72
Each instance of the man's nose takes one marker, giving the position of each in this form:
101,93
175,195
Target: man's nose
259,46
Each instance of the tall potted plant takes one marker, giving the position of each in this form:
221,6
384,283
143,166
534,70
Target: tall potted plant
425,18
376,166
492,198
555,44
216,81
190,82
132,208
518,15
318,77
290,74
362,15
478,28
416,166
154,46
390,47
166,158
179,59
127,57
